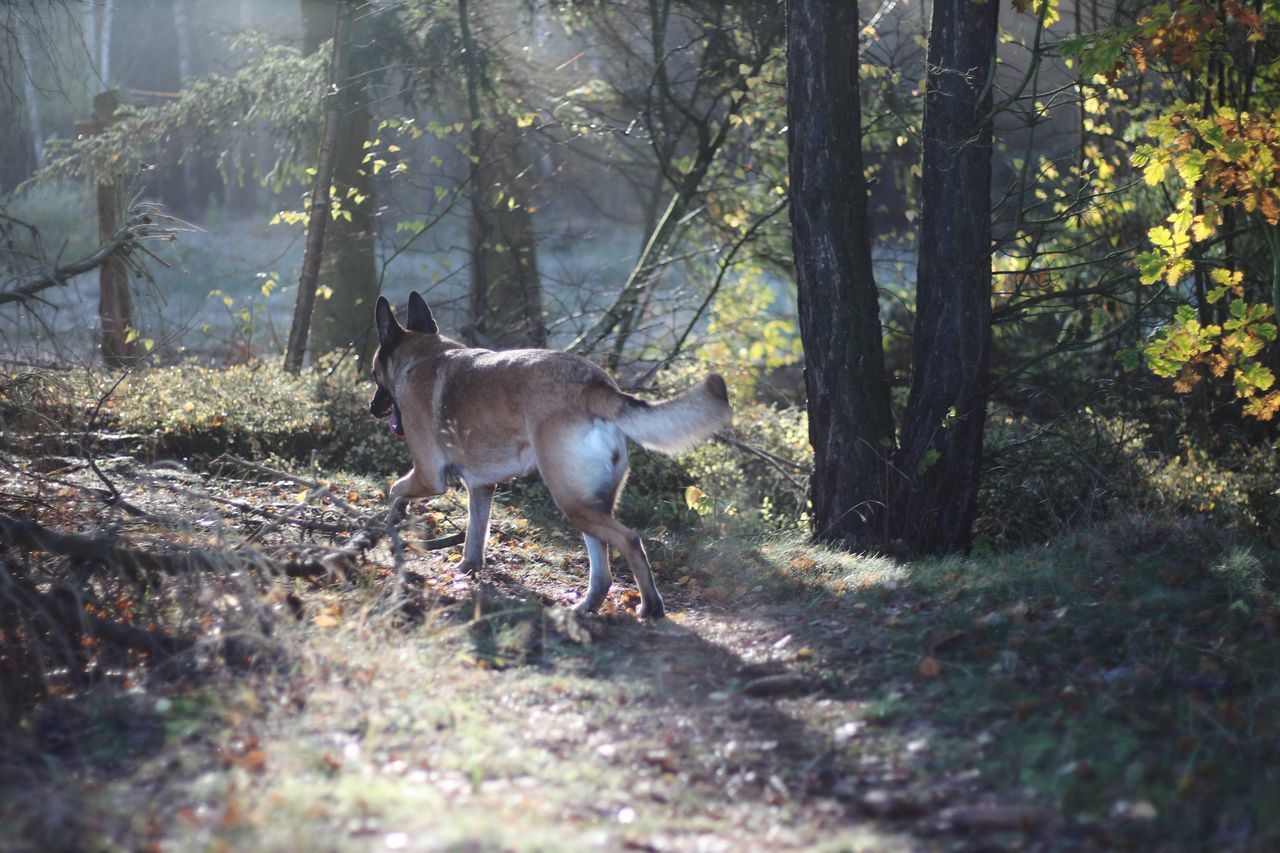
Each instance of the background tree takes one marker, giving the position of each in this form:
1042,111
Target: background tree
850,427
348,275
505,301
331,139
939,461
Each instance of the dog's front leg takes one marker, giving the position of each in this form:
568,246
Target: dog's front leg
479,502
410,486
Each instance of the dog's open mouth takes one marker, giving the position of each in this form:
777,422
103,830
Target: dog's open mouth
396,426
384,404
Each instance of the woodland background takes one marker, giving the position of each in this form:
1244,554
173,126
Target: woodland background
989,555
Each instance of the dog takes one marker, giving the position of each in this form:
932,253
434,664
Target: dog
486,417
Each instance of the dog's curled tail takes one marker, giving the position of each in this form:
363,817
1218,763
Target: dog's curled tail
678,424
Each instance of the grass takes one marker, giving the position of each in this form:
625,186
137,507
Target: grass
1128,670
1116,685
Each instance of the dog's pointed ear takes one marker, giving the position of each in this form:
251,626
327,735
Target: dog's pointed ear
420,319
389,329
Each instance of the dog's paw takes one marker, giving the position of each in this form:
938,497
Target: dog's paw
652,610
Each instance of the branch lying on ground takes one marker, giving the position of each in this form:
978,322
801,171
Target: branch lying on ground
64,607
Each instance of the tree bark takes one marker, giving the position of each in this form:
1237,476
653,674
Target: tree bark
182,40
26,63
344,317
106,21
115,305
308,281
850,424
506,294
940,458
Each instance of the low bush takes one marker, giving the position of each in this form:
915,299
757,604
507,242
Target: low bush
1044,480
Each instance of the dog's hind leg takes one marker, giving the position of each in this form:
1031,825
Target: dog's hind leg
479,502
603,526
583,465
601,576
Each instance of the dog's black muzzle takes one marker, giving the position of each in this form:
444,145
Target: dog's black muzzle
381,404
384,404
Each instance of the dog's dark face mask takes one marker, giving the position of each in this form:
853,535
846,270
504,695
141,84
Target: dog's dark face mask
384,404
390,335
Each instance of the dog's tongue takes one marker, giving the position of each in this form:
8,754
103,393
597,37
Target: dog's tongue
396,427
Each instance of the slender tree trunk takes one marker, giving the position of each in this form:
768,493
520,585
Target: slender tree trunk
115,306
308,281
182,39
940,458
26,60
348,275
106,20
850,425
710,138
506,294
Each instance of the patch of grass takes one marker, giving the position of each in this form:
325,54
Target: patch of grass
1129,670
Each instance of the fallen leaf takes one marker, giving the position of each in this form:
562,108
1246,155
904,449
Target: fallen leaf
930,668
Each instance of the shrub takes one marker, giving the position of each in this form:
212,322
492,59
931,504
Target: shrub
1043,480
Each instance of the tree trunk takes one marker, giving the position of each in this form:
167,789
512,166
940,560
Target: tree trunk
26,62
850,425
107,18
308,281
940,458
343,317
115,307
182,40
506,295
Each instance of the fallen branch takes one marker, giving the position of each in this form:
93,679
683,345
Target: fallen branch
138,564
64,607
25,533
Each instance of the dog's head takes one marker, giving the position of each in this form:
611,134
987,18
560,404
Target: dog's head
391,335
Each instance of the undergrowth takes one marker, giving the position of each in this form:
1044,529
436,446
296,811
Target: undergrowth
1126,671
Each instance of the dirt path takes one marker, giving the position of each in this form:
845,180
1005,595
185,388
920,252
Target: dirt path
714,730
775,709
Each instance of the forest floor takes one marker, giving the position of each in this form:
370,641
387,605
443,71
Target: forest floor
1116,688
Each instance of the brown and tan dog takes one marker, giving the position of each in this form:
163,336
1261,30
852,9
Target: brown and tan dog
487,417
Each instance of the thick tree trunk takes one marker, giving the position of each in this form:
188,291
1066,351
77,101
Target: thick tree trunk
348,276
344,318
506,295
940,458
850,425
